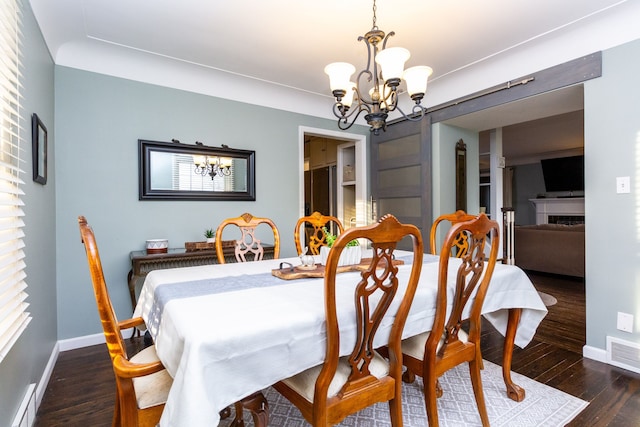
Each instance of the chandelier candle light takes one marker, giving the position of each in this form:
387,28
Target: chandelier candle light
212,166
379,94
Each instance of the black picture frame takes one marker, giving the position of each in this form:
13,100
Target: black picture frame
147,191
39,146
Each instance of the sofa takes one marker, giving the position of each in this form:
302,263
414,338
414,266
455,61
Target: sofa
550,248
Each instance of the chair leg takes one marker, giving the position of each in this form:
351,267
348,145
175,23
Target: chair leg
476,381
408,376
258,406
116,412
238,420
430,396
395,411
225,413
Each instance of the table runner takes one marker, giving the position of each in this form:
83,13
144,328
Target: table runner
222,347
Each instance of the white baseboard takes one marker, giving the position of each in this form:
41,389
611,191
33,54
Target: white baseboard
46,375
594,353
88,340
80,342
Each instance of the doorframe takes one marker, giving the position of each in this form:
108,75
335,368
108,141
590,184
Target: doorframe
361,169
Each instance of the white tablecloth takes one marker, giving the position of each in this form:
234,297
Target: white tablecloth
220,347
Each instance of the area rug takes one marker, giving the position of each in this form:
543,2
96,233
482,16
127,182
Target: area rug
547,299
542,406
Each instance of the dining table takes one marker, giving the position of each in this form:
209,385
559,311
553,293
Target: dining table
226,331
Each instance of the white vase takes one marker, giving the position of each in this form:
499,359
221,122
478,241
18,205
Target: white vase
350,255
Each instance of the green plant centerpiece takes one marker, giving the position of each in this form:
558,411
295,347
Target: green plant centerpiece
210,235
351,254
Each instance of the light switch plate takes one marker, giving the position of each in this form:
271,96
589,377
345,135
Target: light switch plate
625,322
623,184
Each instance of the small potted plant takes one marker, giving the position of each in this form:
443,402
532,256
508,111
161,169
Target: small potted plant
351,254
210,235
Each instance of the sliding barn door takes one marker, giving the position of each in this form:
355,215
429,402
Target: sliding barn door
401,174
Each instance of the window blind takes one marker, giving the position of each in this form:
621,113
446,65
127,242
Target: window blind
13,315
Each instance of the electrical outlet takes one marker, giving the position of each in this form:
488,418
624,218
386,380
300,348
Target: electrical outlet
625,322
623,185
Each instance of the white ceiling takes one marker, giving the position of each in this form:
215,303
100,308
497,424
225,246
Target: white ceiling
229,47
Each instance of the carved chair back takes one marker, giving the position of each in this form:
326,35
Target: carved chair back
134,406
315,236
344,385
460,244
447,345
248,244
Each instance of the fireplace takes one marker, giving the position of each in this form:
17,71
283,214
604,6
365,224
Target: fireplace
565,219
562,210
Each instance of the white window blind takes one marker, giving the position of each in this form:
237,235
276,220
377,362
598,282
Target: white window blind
13,315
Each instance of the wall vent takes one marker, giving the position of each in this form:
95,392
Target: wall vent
26,415
624,354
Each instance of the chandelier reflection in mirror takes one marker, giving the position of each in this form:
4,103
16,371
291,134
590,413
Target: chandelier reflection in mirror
212,166
378,96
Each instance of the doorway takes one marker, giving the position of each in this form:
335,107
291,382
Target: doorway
333,181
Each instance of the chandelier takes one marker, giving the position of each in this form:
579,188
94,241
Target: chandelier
378,96
212,166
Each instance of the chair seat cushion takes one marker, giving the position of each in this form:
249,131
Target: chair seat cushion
414,346
304,382
151,390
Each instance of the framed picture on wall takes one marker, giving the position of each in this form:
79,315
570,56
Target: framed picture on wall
39,149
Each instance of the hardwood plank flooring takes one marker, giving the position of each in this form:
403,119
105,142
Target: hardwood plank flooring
81,391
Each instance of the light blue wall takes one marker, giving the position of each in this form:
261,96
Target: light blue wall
26,361
612,149
99,121
444,138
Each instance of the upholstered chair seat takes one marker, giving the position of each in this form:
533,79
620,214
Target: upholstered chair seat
151,390
304,382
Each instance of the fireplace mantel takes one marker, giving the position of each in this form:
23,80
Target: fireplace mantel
562,206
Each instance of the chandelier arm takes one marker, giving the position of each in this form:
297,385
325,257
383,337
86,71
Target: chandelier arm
417,113
384,42
363,97
390,99
344,123
366,42
338,110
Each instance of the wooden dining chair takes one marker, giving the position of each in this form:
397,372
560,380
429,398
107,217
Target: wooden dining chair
327,393
316,237
460,244
248,244
431,354
142,382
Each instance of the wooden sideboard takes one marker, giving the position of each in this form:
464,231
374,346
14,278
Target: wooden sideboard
143,263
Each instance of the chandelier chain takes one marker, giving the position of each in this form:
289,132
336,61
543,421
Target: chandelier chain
374,15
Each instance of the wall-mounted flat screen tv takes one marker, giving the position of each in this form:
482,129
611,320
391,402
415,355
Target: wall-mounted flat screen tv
563,173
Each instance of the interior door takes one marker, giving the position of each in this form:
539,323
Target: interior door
401,174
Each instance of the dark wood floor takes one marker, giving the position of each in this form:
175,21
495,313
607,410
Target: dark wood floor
81,391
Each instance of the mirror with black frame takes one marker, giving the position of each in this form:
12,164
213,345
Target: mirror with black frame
177,171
